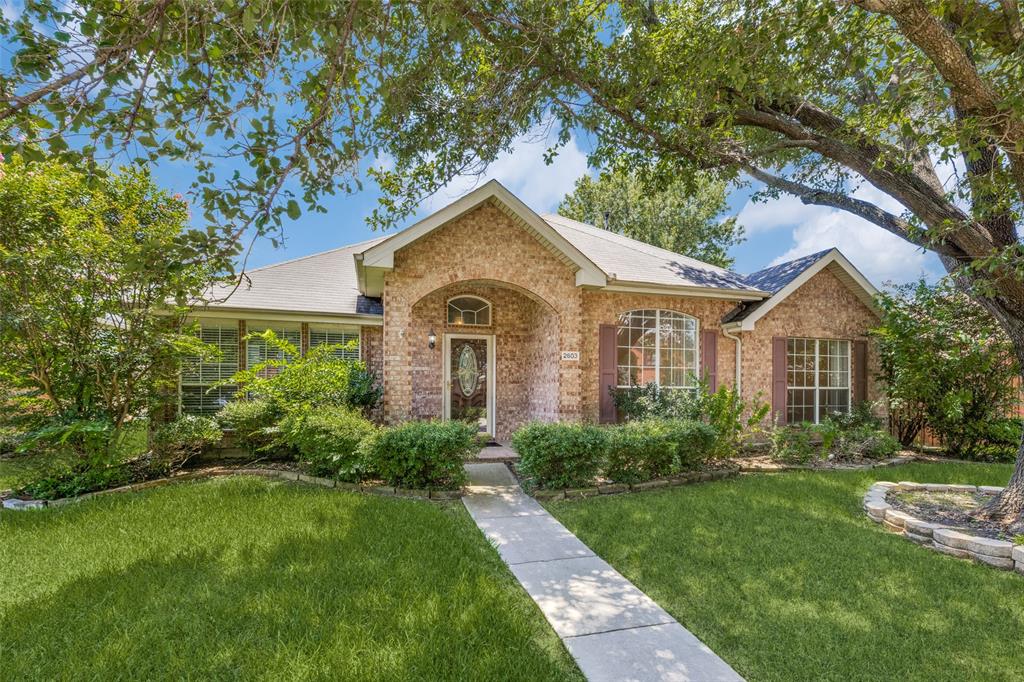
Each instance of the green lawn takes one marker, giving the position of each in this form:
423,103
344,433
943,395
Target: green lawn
786,578
244,578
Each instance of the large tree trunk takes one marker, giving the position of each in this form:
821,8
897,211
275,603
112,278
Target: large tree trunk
1008,506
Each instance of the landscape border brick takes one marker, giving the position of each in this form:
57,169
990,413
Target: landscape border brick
949,540
546,495
15,504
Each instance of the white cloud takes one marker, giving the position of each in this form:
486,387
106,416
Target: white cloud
880,255
10,11
765,216
524,173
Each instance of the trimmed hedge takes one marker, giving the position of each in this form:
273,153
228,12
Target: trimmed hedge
421,454
560,455
327,441
572,455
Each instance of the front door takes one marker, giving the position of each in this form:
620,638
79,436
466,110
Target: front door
469,380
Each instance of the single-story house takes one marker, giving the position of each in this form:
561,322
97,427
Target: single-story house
487,310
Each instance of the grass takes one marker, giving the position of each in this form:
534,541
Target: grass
243,578
786,578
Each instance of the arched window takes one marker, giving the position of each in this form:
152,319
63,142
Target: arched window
657,346
471,311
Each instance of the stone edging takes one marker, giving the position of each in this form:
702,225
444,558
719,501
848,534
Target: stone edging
945,539
618,488
384,490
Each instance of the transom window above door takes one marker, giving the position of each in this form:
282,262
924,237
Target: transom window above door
657,346
470,311
817,379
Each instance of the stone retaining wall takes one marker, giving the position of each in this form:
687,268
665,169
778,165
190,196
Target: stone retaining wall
619,488
945,539
434,495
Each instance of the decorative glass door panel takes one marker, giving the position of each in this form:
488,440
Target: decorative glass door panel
467,381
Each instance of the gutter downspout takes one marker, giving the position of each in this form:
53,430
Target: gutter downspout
739,357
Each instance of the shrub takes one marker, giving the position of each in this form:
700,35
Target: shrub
864,441
732,417
792,444
320,378
421,454
176,442
254,423
652,402
638,451
77,479
327,440
724,410
692,442
11,438
560,455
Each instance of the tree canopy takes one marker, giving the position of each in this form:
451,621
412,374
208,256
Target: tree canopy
682,217
96,279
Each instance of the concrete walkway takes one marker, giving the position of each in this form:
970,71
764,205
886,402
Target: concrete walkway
612,629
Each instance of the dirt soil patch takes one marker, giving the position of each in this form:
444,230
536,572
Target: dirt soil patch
952,509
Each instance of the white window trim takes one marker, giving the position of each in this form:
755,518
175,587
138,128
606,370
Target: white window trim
490,311
817,373
657,349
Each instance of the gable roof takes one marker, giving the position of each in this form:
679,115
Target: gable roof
629,262
785,278
600,258
321,284
371,262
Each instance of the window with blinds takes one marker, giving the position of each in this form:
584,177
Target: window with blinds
337,336
258,350
198,375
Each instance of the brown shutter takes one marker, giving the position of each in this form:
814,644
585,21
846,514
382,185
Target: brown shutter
860,372
710,351
779,379
607,370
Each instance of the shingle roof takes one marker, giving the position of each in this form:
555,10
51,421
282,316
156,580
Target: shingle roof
773,280
634,261
323,283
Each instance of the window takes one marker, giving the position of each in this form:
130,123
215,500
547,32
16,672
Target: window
197,376
817,379
335,336
657,346
258,350
469,310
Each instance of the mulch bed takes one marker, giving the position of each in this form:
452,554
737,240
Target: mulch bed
951,509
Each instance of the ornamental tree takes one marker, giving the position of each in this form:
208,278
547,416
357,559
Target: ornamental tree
680,216
96,278
948,365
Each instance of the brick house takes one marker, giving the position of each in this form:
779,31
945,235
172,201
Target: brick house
486,310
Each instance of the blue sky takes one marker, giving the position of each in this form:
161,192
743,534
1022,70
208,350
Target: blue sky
778,230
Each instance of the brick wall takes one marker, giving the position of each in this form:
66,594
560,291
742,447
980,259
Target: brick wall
526,354
823,308
482,248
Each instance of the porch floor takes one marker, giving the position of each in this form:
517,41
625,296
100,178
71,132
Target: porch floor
497,453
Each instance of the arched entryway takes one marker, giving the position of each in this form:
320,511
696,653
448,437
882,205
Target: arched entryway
495,358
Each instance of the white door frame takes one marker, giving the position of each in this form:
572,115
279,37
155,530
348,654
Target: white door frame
446,379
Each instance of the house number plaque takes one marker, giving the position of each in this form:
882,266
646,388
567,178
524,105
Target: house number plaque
572,355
